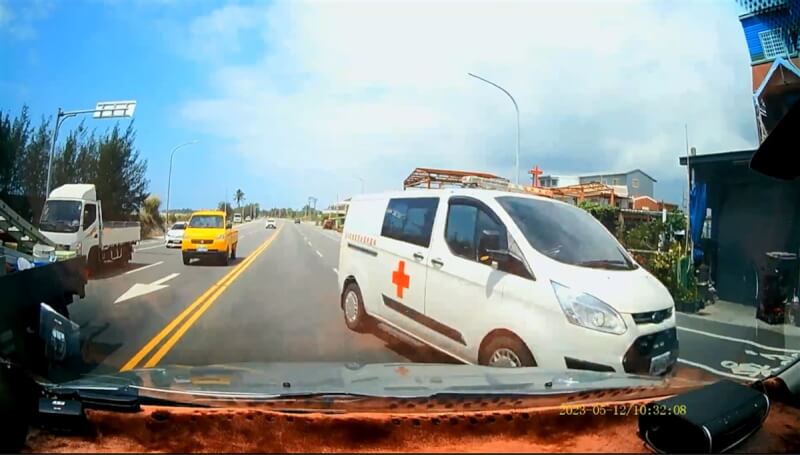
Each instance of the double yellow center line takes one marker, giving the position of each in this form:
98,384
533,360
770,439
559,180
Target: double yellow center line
182,322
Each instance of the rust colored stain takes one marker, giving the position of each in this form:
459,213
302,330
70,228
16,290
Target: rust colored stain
159,429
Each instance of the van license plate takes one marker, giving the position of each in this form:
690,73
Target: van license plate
659,363
202,249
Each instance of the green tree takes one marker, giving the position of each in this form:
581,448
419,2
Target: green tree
150,217
238,197
120,178
33,167
14,136
226,206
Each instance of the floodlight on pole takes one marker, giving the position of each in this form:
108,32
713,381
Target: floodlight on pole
102,110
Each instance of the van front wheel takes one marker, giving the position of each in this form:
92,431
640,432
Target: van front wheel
506,351
355,317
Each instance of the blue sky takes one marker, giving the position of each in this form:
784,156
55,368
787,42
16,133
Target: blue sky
297,99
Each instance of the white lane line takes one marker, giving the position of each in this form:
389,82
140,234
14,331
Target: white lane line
738,340
142,268
309,244
149,247
715,371
335,270
319,254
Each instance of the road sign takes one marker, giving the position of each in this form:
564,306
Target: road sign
114,109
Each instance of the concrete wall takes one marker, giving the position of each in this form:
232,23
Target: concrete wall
645,187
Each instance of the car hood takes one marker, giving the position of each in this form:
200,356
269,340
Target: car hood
627,291
175,233
378,380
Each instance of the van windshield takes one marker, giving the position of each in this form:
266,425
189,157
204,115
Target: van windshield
566,233
206,221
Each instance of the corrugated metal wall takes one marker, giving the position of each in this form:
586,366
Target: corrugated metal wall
752,26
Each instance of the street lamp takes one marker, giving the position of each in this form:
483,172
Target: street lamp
103,110
362,184
169,177
516,108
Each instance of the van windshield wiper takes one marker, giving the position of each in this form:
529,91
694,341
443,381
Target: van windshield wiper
606,263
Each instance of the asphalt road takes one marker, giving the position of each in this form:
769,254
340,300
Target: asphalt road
278,302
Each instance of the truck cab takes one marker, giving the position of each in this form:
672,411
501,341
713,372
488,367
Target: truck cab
72,218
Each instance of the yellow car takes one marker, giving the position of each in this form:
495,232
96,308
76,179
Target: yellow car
210,235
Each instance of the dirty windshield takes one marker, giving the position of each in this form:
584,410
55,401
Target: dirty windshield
60,216
565,234
205,221
554,188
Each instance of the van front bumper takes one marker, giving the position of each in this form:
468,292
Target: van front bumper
644,349
638,358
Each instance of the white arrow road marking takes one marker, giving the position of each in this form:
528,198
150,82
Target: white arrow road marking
140,289
145,267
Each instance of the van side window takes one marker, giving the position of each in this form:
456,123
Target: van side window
460,230
465,222
89,215
410,220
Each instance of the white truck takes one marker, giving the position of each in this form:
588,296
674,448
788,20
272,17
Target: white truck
72,218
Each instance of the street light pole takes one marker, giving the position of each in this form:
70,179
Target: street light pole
362,184
516,108
169,176
103,109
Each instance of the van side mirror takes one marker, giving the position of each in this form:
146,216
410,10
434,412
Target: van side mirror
489,248
229,225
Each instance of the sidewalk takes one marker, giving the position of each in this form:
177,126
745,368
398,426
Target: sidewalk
741,315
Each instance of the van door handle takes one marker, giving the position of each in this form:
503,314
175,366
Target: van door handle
437,262
418,256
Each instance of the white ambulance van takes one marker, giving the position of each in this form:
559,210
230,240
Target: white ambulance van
503,279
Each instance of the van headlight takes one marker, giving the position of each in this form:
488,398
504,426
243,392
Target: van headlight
588,311
77,246
221,237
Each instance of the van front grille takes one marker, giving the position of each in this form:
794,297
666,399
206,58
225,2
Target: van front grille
652,317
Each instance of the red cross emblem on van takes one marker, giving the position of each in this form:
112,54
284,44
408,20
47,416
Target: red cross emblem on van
400,279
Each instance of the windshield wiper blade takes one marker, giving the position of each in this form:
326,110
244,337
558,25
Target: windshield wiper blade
613,263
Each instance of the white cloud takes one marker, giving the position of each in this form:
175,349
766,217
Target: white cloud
376,88
18,18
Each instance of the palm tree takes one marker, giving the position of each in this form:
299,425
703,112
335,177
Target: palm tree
239,197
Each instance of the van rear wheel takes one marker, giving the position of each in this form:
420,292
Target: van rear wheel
506,351
355,317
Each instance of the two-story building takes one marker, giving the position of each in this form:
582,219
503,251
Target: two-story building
771,33
749,214
637,182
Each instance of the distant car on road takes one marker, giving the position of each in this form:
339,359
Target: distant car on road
297,221
271,224
175,234
237,218
247,218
